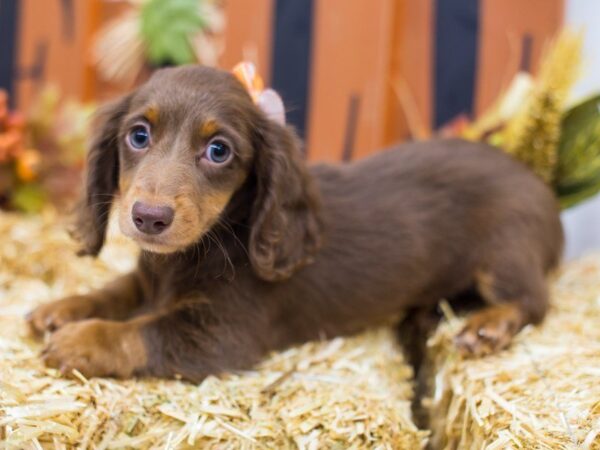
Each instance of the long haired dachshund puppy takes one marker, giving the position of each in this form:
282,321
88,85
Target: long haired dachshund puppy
245,249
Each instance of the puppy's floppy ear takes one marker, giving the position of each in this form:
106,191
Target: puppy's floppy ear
286,223
102,178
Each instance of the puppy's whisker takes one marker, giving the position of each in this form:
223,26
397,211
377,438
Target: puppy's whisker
103,203
104,215
100,194
223,222
226,256
212,239
196,253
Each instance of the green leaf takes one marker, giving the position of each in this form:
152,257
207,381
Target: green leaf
578,172
168,26
569,200
29,198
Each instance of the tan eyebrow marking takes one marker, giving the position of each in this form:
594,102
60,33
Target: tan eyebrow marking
152,114
208,128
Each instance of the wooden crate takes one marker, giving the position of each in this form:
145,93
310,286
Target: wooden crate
372,69
370,72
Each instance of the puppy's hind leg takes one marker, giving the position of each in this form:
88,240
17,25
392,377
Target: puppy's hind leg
515,294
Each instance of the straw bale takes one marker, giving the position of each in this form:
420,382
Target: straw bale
347,393
542,393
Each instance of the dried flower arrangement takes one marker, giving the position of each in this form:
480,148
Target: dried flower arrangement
534,121
157,33
42,152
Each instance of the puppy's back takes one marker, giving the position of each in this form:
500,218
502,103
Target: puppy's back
445,191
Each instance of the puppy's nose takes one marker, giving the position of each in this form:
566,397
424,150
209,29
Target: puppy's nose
151,219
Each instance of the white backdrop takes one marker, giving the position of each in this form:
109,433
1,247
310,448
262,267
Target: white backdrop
582,223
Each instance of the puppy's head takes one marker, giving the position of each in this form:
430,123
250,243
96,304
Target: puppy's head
178,149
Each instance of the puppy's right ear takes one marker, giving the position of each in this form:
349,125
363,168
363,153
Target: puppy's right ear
102,177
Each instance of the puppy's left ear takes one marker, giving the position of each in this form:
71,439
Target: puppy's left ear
101,181
286,222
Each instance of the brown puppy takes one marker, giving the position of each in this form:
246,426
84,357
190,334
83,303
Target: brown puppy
247,250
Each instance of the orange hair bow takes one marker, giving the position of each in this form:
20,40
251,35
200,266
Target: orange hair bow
247,74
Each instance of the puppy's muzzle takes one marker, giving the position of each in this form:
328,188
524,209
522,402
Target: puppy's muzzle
151,219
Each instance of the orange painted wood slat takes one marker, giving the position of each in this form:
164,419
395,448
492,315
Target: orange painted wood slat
42,25
410,94
248,34
504,25
351,56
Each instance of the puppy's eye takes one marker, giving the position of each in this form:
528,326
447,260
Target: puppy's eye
138,137
218,152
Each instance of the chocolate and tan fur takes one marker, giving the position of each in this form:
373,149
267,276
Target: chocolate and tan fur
263,251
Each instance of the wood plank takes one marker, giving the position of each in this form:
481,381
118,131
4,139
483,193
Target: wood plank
248,34
504,26
351,56
44,32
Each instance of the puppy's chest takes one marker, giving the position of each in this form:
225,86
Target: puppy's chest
170,284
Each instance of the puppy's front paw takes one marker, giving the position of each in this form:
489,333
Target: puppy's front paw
54,315
96,348
489,330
